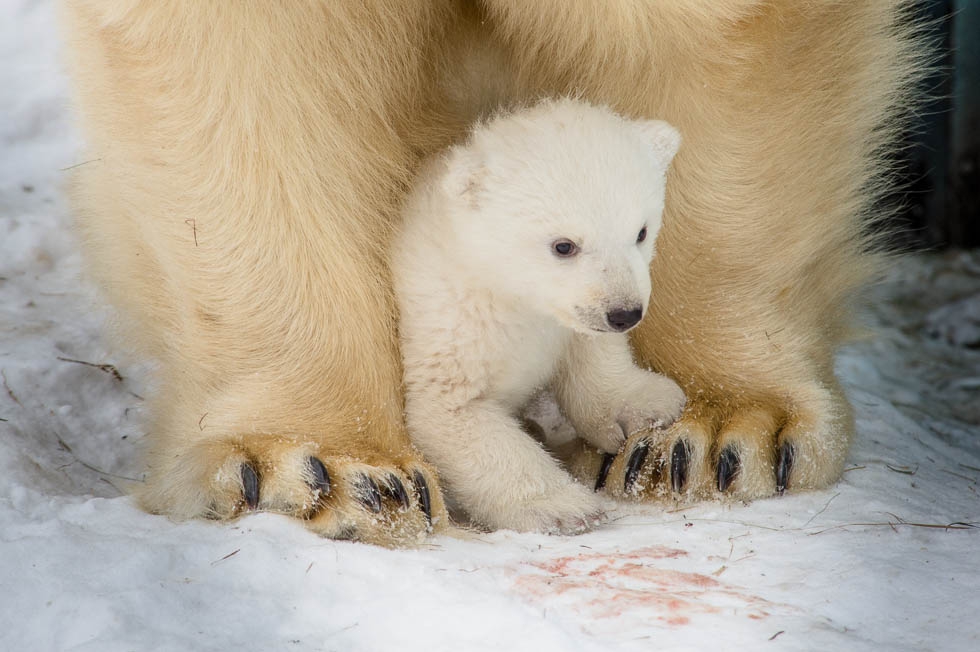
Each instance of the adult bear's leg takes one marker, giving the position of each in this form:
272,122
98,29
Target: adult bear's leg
246,161
784,108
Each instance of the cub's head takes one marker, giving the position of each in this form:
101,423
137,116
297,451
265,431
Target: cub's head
558,207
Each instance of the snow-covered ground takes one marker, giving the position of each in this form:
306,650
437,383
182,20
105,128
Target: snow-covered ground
865,565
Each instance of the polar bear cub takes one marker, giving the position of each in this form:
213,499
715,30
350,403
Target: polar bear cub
522,261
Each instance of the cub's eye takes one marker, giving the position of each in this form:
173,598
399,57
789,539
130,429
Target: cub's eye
564,248
642,235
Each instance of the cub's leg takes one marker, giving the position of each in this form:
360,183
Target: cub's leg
607,398
244,163
784,108
497,473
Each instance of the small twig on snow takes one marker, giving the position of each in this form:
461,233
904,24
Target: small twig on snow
108,368
956,525
64,445
78,165
228,556
822,510
10,392
906,470
959,475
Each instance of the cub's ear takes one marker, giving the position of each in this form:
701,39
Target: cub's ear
662,137
464,174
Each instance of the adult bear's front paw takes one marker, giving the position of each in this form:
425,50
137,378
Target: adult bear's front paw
389,502
742,452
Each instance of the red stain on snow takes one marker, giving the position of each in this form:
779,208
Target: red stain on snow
611,585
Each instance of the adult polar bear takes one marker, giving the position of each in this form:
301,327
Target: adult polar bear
248,158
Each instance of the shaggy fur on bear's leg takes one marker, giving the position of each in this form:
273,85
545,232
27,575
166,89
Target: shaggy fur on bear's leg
246,161
784,108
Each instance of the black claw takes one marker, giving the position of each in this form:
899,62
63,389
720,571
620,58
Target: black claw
395,490
367,492
728,467
785,465
600,480
678,466
635,463
250,485
422,492
319,478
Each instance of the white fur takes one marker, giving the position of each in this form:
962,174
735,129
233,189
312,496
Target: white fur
489,313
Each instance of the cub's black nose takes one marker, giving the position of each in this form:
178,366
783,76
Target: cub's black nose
623,320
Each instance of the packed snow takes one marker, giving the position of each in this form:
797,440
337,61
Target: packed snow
884,560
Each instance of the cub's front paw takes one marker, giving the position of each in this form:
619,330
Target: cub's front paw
651,402
646,401
572,509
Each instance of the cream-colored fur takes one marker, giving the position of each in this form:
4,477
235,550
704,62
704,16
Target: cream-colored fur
491,313
247,159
